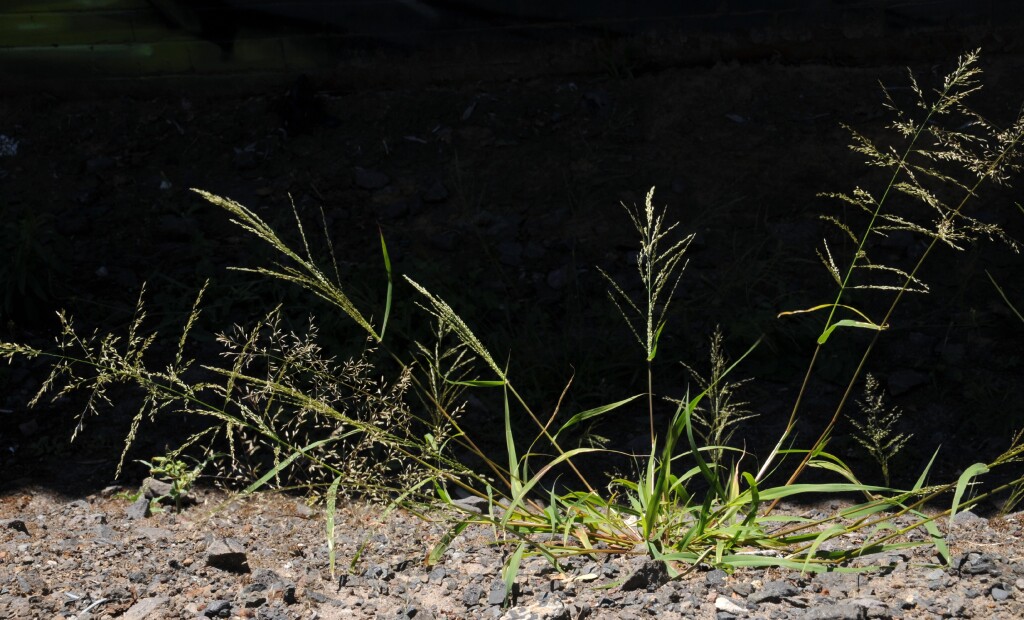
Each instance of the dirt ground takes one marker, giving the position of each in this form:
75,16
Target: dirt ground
503,197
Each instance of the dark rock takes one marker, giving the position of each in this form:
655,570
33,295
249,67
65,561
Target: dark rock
841,611
437,574
218,609
30,582
650,576
977,564
227,554
139,509
472,594
498,593
15,524
773,592
903,381
435,192
369,179
743,589
137,576
715,578
999,594
153,488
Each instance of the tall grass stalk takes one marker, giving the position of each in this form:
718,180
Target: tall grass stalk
939,168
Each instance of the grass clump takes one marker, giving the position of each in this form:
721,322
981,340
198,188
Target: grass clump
292,416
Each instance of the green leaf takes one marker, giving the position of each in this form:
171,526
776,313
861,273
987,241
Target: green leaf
848,323
442,545
332,498
961,485
478,383
593,413
391,285
654,345
511,570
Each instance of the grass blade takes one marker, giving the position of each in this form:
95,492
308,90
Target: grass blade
332,498
961,485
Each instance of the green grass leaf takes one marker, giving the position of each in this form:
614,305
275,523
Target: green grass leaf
332,498
961,485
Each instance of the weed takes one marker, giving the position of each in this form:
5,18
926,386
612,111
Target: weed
876,434
175,472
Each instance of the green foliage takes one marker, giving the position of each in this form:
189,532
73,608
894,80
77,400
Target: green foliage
175,472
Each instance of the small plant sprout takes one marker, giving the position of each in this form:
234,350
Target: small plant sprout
175,472
660,265
876,433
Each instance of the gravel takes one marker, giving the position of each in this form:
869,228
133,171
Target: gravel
265,557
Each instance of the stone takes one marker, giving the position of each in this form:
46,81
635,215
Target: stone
472,594
218,609
773,592
147,609
498,593
841,611
227,554
650,576
435,192
369,179
548,610
139,509
729,606
15,524
999,594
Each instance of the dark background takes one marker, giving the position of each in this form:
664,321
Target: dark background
492,147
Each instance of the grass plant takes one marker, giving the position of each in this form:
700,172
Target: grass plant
292,416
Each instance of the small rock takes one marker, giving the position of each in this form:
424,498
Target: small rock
15,524
743,589
139,509
729,606
999,594
227,554
435,192
472,594
147,609
498,593
437,574
651,575
841,611
369,179
715,578
978,564
773,592
936,574
218,609
152,488
549,610
903,381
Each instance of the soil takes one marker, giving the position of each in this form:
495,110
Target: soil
502,197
